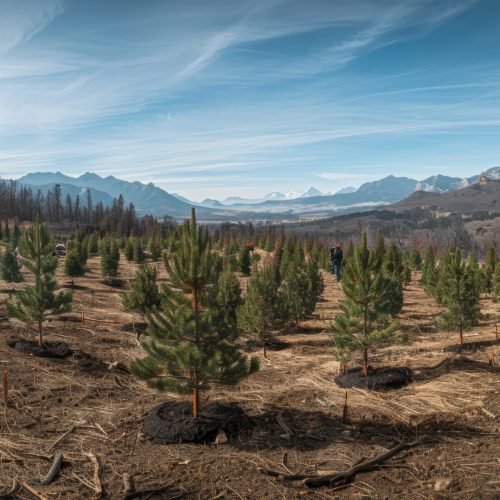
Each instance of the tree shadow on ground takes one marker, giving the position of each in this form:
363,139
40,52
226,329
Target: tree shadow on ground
292,428
453,364
473,346
306,330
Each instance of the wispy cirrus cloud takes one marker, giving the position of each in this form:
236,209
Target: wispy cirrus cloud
251,89
22,19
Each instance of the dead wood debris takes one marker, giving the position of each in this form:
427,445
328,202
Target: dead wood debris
53,471
344,477
97,474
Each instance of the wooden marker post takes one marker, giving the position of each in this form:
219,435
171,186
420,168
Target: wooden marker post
5,383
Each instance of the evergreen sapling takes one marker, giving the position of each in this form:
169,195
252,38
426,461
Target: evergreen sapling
36,301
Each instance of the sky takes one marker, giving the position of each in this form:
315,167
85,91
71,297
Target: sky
226,98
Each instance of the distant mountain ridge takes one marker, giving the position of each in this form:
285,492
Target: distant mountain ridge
147,198
481,195
150,199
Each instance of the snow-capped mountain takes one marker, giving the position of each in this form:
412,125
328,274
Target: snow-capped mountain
492,173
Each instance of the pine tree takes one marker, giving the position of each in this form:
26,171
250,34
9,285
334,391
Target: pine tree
394,271
380,248
144,294
155,248
93,245
459,293
490,267
228,296
231,255
129,249
262,312
10,268
315,285
496,282
190,344
363,322
294,290
33,303
110,257
16,234
416,260
74,267
139,256
429,271
244,261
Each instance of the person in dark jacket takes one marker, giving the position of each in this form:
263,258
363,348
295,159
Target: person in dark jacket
337,256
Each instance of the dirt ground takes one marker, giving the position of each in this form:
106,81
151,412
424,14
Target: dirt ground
86,406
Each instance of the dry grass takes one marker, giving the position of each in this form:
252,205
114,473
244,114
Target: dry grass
104,409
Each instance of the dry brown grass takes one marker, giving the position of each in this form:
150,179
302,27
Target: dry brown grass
105,409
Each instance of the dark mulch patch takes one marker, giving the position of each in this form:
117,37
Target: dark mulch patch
172,422
473,346
48,350
87,363
379,379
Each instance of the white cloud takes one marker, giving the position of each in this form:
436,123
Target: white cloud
22,19
126,93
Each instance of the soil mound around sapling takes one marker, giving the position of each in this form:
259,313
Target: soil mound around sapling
379,379
47,350
172,422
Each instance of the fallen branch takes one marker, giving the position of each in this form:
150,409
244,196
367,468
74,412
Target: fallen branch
284,475
348,475
340,479
484,411
60,438
53,471
97,474
35,493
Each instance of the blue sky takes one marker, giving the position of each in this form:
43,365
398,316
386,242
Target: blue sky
222,97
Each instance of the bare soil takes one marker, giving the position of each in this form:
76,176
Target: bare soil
90,408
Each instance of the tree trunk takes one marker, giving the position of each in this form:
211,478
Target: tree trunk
365,334
461,333
196,402
265,350
40,338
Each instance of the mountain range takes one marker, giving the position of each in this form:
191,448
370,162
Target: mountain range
150,199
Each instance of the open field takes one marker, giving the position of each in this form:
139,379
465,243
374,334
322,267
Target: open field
453,408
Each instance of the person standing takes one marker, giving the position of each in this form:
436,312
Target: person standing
337,257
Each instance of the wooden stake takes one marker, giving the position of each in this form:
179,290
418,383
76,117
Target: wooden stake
83,317
5,381
344,413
